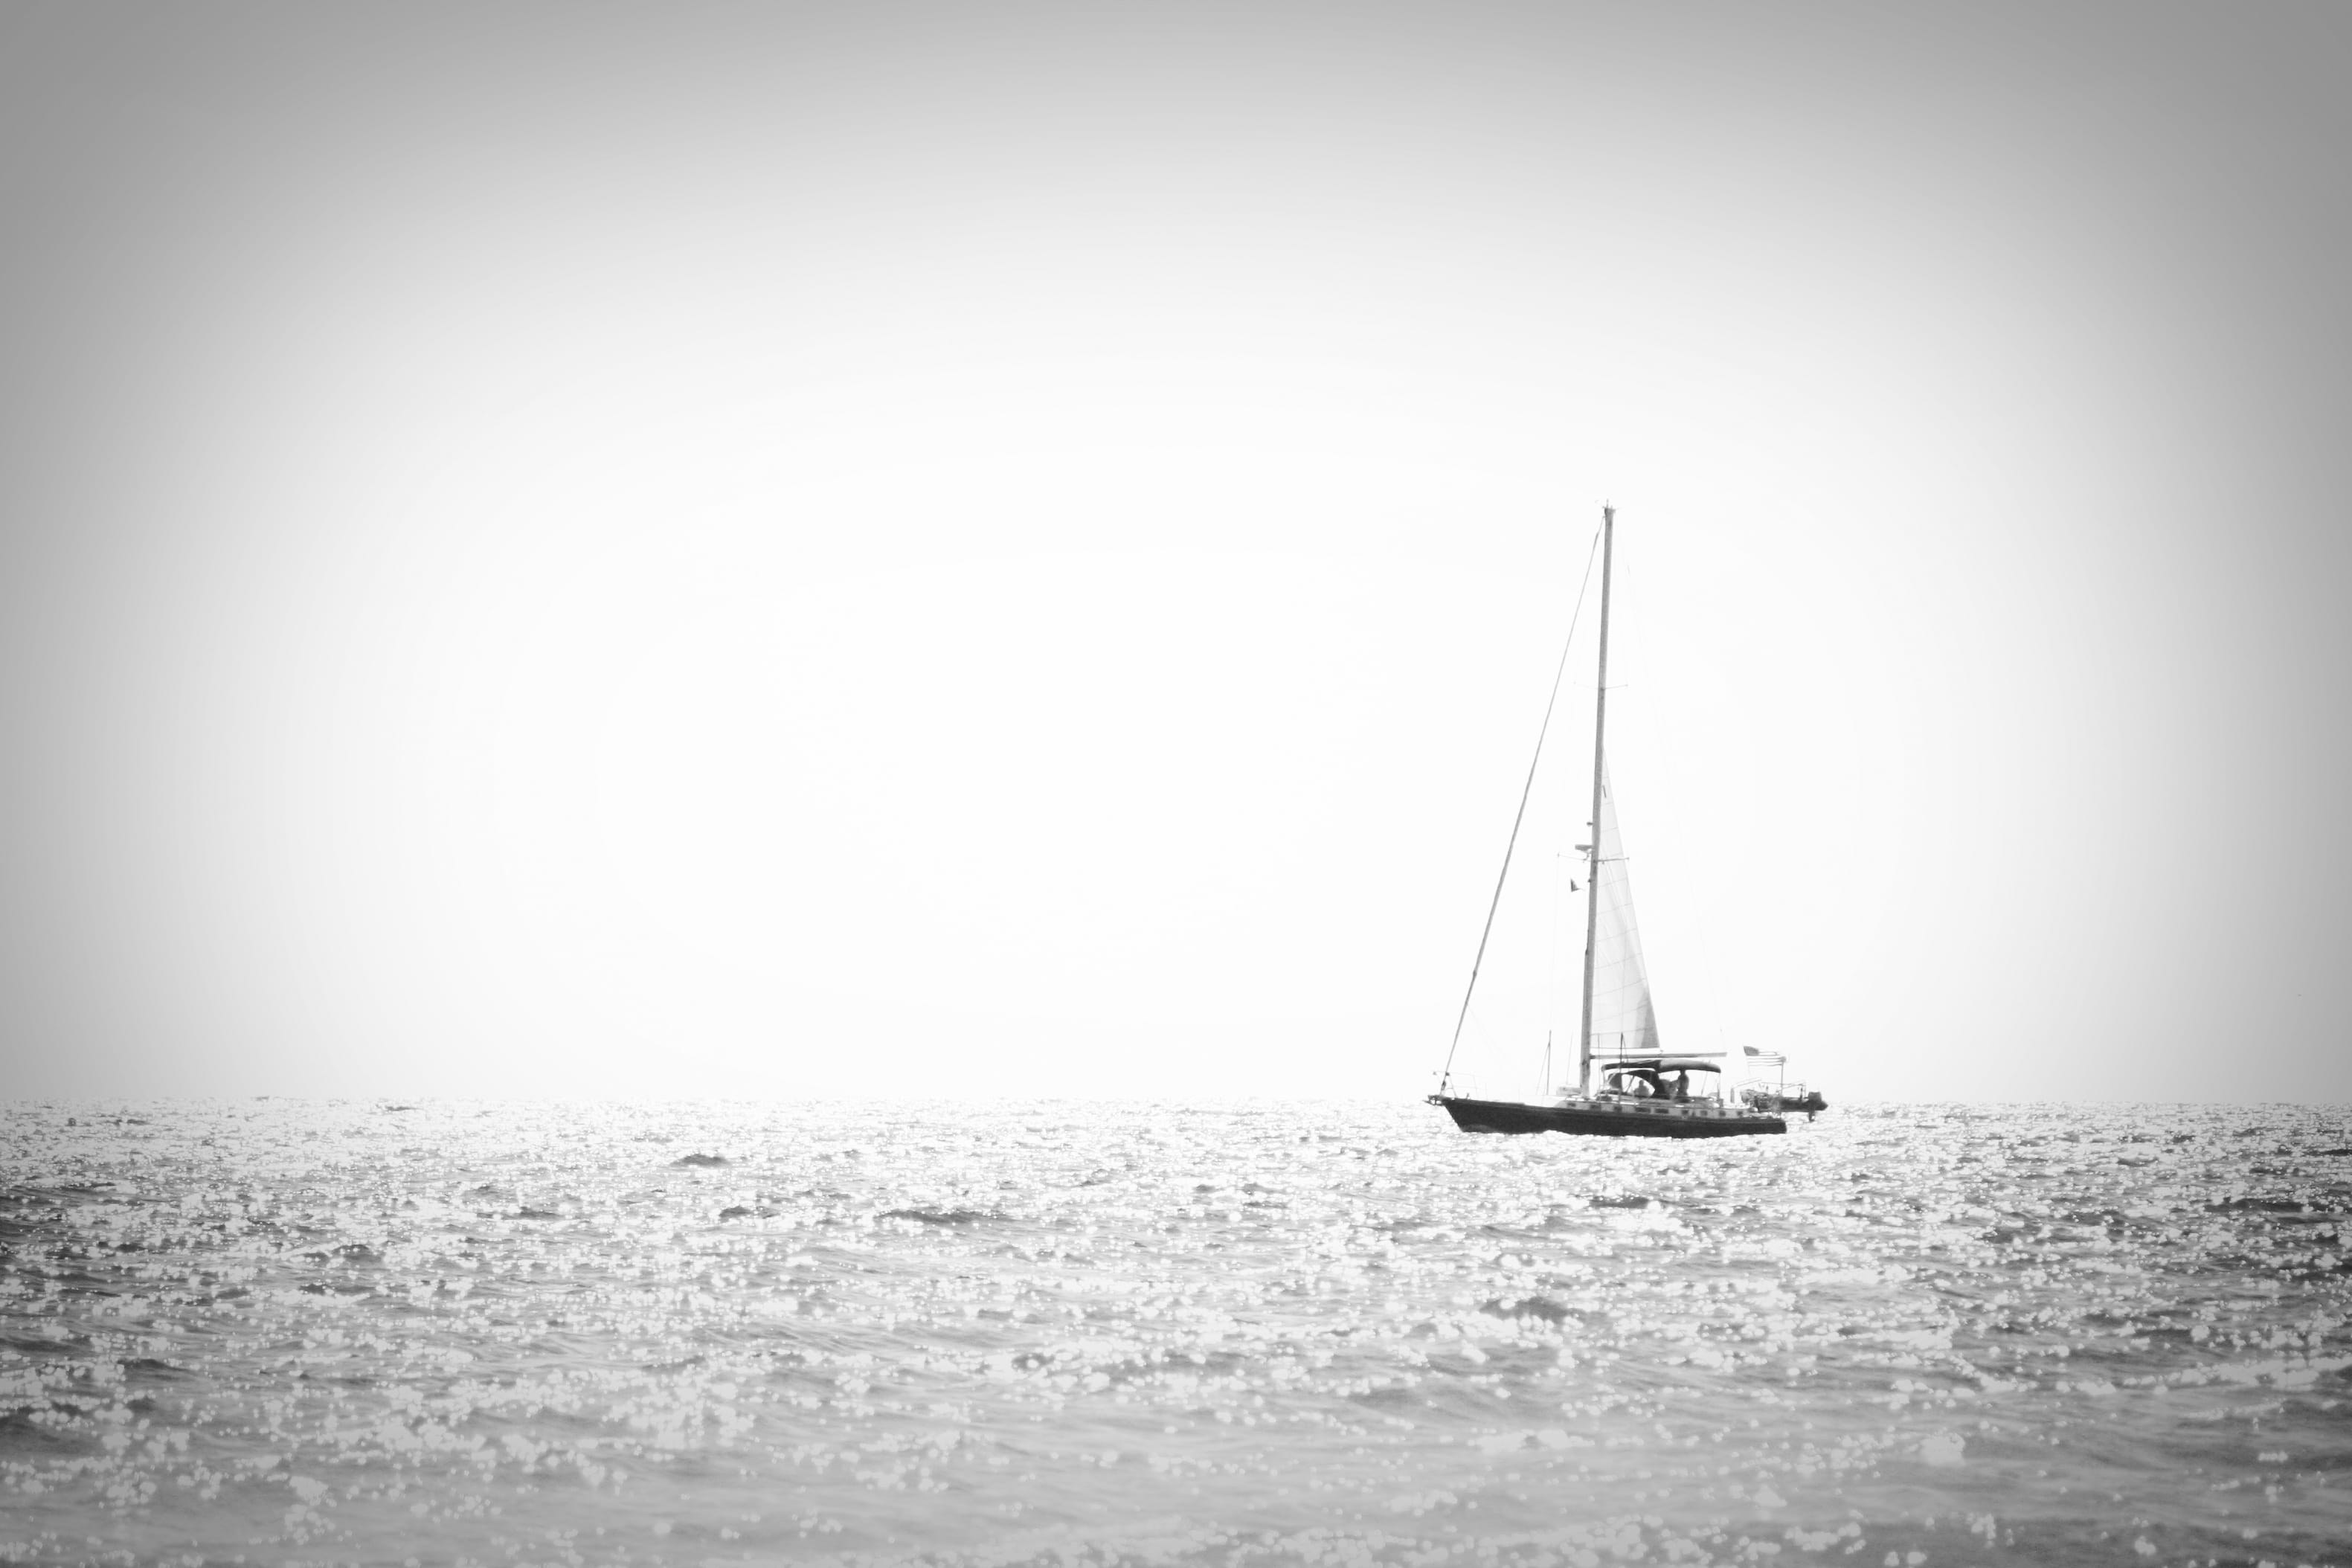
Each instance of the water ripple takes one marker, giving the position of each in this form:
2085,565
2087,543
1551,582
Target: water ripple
960,1334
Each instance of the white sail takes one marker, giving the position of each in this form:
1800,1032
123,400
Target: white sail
1625,1022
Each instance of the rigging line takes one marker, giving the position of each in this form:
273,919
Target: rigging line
1525,791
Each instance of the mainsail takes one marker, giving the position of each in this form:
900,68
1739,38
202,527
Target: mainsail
1625,1023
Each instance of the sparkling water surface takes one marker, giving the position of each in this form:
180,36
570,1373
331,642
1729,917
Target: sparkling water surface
278,1331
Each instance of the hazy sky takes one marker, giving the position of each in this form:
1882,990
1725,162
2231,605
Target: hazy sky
761,550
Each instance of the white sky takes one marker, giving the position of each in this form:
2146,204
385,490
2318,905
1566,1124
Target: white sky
860,549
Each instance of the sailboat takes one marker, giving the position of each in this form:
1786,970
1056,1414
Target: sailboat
1642,1090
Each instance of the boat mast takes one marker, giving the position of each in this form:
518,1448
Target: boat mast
1592,850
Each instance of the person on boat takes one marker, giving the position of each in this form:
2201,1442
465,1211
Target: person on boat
1682,1086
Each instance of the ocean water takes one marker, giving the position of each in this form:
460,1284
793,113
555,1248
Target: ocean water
275,1331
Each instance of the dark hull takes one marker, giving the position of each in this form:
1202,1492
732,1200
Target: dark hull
1636,1120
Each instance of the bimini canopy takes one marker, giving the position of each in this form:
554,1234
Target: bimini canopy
1658,1064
